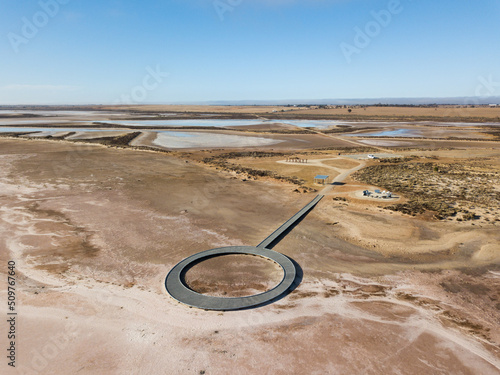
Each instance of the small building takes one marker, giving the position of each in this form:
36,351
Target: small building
321,179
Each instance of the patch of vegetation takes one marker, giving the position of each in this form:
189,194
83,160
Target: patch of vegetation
436,187
396,160
221,162
248,154
121,140
419,206
15,134
343,150
495,133
64,136
470,216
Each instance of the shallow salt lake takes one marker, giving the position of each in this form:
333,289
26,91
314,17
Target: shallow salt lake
167,139
227,123
321,124
42,120
49,131
424,132
198,140
54,113
389,133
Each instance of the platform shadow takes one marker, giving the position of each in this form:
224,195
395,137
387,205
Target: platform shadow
288,230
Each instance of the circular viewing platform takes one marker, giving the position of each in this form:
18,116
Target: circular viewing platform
175,283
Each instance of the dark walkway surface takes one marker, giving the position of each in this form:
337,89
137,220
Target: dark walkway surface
177,288
289,223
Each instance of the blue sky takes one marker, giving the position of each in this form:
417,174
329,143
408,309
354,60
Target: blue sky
119,51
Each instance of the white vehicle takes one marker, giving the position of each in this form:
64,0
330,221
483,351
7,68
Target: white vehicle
371,156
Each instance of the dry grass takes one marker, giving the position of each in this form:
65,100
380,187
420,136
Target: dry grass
441,112
195,108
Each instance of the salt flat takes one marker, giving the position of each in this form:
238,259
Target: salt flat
96,229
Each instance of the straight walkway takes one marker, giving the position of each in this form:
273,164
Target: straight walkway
177,288
290,222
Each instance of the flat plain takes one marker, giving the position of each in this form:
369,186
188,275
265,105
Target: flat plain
405,285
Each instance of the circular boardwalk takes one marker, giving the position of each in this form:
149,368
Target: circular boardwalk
176,287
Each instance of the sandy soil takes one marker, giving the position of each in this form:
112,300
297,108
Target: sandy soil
234,276
95,230
440,112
